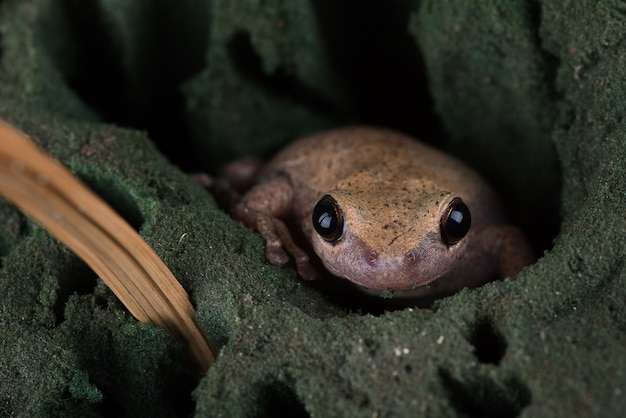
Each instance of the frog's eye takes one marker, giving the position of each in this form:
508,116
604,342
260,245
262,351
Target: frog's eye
455,222
328,219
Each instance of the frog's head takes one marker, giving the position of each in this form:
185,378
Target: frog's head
395,238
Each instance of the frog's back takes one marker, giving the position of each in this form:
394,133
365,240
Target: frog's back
327,157
340,152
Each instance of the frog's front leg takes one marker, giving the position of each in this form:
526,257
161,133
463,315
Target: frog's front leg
261,209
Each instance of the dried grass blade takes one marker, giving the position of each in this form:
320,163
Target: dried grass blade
50,194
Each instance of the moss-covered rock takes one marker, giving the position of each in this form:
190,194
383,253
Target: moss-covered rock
530,93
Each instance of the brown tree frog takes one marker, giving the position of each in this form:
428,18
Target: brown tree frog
384,211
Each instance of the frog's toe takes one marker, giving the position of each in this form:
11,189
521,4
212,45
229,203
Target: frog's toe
276,255
306,271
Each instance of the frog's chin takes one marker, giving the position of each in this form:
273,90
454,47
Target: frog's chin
385,276
389,281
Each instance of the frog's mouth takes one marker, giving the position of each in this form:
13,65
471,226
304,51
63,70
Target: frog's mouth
360,264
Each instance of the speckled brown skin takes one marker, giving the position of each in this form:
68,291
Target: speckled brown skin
393,191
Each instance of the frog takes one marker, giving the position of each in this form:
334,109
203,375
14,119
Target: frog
382,210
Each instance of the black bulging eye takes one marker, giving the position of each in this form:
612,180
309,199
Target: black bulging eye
328,219
455,222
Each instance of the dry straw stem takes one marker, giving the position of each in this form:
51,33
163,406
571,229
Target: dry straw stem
49,193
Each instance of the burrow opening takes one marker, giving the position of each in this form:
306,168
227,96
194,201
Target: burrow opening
132,76
386,86
279,399
370,51
489,344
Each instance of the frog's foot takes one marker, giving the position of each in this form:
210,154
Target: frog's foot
280,231
278,241
306,270
267,227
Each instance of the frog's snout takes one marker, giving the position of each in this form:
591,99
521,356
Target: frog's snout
380,271
411,258
372,258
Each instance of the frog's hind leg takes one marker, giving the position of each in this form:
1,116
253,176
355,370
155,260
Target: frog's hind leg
261,209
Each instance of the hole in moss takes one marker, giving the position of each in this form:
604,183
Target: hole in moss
486,398
100,79
489,345
74,278
278,399
121,201
129,66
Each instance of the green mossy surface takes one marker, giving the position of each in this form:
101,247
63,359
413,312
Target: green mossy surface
532,93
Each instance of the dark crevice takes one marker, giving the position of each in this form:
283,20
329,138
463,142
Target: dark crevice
120,201
142,93
379,64
489,345
100,79
75,278
280,400
543,223
485,398
280,83
550,63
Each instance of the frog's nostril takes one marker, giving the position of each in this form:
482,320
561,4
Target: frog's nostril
372,258
411,258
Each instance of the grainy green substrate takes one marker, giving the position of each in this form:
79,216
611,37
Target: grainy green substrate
129,95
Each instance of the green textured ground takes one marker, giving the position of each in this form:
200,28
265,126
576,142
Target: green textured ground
533,93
